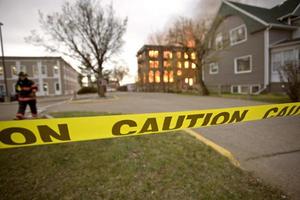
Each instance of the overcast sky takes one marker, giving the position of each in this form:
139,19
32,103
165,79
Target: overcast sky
144,17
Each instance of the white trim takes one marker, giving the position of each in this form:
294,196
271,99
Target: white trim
282,26
246,13
266,58
213,65
235,64
296,9
234,29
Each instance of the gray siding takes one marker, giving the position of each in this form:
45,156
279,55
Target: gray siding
254,46
279,35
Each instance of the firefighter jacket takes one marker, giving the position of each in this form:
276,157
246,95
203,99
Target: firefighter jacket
25,90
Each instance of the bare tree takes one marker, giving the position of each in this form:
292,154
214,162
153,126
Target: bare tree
190,33
290,75
118,73
85,31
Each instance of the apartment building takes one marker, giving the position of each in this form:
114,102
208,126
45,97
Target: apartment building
248,44
166,68
53,75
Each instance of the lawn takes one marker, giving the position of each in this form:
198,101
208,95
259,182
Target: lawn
162,166
270,98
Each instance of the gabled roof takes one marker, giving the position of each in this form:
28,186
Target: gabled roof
269,16
287,8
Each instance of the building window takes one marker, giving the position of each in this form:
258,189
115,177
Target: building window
14,70
57,87
193,65
2,90
55,70
254,89
186,64
240,89
234,89
238,35
179,72
153,53
178,54
153,64
157,76
289,57
186,56
276,62
186,80
167,63
179,65
243,64
150,78
44,69
168,55
244,89
22,68
191,81
171,77
213,68
45,87
35,70
219,41
193,56
283,58
166,76
1,70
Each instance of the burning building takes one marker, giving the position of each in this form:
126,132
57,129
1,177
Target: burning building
166,68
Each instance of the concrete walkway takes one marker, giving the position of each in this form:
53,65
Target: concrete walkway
269,148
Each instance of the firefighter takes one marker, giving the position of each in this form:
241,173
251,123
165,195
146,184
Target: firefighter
25,90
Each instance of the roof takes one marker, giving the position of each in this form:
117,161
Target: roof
39,58
287,8
265,16
162,47
287,42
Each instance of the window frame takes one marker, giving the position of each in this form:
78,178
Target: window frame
210,68
242,72
234,29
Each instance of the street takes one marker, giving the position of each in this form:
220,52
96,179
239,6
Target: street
269,148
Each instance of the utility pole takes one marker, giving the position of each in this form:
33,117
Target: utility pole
7,98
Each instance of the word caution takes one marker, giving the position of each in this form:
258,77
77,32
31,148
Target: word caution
51,131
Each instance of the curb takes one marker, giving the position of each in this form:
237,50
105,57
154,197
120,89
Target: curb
215,146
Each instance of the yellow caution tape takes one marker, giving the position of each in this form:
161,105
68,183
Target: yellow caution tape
60,130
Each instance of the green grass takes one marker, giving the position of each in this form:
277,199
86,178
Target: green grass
163,166
270,98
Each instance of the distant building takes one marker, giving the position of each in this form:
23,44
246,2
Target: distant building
166,68
53,75
248,44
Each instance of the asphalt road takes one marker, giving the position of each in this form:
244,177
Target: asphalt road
269,148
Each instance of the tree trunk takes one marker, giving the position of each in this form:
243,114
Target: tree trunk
203,89
100,86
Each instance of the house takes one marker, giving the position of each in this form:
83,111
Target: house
53,75
248,44
166,68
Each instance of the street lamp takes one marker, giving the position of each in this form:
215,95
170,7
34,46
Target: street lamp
7,98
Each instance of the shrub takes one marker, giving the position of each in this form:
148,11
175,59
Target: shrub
86,90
